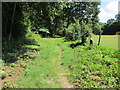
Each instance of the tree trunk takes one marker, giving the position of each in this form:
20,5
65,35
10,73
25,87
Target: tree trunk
12,19
6,22
68,21
83,40
99,38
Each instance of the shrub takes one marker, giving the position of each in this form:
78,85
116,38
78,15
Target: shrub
77,31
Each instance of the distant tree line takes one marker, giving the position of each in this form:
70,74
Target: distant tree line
112,26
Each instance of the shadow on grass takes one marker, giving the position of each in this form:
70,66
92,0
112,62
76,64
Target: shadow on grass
12,49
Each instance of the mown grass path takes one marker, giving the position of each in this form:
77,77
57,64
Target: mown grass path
45,71
63,78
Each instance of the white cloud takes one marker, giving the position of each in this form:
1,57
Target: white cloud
112,7
109,11
108,0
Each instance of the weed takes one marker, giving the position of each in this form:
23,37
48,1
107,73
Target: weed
13,64
3,74
3,68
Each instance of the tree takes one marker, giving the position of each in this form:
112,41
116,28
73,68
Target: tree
97,30
117,18
85,32
78,31
112,26
11,20
53,16
110,21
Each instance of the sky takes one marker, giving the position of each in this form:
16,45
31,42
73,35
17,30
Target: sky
108,10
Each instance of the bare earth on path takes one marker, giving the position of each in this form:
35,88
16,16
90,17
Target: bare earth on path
63,78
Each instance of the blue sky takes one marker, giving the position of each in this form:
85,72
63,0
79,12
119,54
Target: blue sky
108,8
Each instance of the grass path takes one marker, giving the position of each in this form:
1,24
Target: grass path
63,78
56,65
45,71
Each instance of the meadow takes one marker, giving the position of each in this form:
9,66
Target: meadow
55,62
110,41
45,45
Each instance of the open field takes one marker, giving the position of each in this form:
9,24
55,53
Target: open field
52,63
107,40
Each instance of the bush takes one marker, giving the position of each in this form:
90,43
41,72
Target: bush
77,31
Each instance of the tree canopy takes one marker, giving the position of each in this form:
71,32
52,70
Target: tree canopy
112,26
54,17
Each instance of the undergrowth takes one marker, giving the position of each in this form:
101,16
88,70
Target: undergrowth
92,66
16,53
13,48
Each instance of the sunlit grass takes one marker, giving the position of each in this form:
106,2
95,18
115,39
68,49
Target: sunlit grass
91,66
86,66
110,41
42,71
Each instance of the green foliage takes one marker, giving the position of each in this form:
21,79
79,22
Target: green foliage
3,74
111,29
44,32
85,30
10,73
1,61
27,23
13,64
12,17
71,33
54,16
112,26
111,21
92,66
43,71
77,31
88,66
52,19
12,49
97,29
117,17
